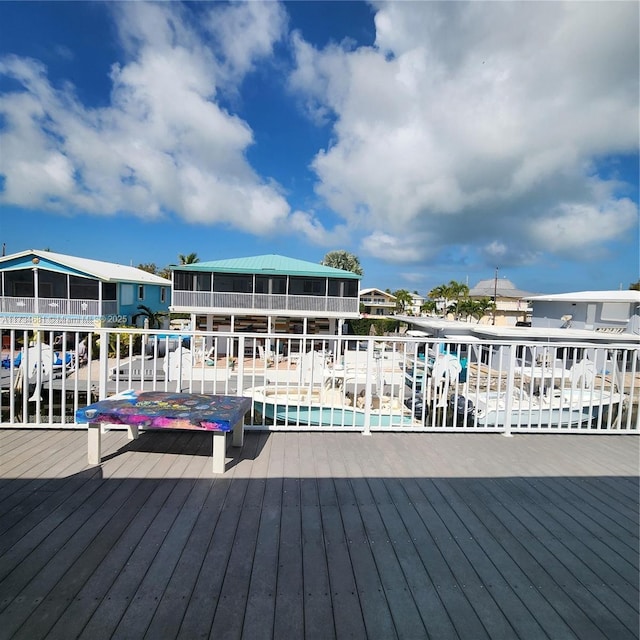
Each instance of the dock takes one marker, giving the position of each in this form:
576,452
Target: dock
319,536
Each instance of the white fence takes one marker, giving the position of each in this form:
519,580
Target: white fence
315,382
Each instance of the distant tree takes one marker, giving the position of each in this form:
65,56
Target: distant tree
343,260
190,258
403,300
448,295
635,286
470,308
440,296
429,306
165,273
149,267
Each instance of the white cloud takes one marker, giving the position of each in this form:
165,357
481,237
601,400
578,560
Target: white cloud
479,124
576,227
164,143
392,248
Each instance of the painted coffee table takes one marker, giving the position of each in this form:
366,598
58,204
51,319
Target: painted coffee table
150,410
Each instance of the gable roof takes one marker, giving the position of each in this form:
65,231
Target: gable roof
364,292
269,265
107,271
501,287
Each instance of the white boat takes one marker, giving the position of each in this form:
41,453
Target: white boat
320,406
579,402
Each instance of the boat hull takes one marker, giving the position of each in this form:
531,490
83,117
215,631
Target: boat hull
292,409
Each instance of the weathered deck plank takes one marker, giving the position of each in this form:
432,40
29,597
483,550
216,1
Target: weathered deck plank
319,535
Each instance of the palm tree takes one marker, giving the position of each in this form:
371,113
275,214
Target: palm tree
149,267
446,293
440,295
343,260
403,300
429,306
154,317
190,258
458,290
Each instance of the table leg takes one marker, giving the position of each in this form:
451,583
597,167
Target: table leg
238,433
94,432
219,451
132,432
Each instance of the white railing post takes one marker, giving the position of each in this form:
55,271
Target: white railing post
508,403
103,371
367,390
240,369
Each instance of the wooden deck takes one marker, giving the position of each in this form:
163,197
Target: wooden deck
319,535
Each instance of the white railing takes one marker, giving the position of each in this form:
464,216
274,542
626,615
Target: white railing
246,301
51,307
315,382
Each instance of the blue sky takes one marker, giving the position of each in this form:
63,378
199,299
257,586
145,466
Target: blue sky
435,141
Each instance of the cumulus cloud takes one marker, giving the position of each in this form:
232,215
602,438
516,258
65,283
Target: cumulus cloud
478,123
466,132
312,229
164,143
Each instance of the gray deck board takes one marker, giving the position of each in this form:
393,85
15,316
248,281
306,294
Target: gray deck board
319,536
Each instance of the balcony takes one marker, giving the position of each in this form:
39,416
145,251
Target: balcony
55,311
257,303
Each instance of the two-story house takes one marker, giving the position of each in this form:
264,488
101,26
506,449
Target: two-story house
56,290
268,293
511,303
375,302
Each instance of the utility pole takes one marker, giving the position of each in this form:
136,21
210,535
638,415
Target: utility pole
495,296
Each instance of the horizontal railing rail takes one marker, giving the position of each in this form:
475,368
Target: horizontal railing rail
57,306
260,301
329,382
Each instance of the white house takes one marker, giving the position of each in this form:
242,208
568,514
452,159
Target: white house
269,293
606,311
375,302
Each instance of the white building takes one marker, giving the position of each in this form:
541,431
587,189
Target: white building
375,302
607,311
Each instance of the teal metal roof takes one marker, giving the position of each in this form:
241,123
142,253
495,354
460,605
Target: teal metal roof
269,264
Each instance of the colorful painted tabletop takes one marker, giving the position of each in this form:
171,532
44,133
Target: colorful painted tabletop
162,410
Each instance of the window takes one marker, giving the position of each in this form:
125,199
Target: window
350,289
262,284
182,281
19,283
163,294
307,286
203,281
140,292
83,288
335,288
274,285
109,291
232,283
52,284
615,311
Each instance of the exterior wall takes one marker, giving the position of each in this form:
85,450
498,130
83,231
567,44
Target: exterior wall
585,315
129,299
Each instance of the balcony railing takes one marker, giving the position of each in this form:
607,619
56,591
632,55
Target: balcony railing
233,302
55,308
